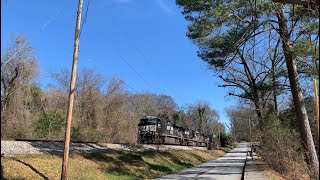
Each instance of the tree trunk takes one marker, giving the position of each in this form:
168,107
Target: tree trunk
274,82
260,114
298,99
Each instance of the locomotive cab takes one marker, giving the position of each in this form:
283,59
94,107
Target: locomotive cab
149,129
149,124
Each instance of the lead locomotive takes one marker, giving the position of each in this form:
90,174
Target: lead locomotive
153,130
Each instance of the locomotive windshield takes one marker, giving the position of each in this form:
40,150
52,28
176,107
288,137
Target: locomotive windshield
144,122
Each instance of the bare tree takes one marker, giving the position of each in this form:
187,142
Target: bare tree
205,118
19,68
116,124
240,126
89,97
61,79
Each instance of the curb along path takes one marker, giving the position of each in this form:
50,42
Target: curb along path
251,171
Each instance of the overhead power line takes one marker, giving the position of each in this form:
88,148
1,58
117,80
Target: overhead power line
131,42
84,18
41,30
102,69
137,73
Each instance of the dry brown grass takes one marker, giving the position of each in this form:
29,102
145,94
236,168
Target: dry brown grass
111,165
267,170
281,149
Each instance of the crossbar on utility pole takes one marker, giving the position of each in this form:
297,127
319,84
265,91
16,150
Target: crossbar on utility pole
71,95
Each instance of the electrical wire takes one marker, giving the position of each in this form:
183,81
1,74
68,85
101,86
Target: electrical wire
146,59
137,73
84,18
41,30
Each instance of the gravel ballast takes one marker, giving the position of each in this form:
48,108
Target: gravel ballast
12,148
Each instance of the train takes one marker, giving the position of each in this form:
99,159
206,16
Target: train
154,130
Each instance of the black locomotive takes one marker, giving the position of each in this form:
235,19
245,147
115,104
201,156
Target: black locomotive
153,130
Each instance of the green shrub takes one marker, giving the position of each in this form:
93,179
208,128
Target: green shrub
225,140
50,125
75,133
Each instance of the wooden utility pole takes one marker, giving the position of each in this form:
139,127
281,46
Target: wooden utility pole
316,101
71,95
250,136
219,134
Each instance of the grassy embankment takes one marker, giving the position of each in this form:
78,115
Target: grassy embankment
110,165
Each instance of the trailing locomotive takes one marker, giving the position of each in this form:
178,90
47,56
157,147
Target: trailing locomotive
153,130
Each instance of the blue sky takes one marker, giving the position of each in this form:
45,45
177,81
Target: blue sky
148,35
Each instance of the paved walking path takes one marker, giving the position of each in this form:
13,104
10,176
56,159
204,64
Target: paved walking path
228,167
252,171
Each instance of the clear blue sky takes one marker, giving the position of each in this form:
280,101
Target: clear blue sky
149,35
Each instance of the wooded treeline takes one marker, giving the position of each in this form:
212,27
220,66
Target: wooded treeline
105,111
266,54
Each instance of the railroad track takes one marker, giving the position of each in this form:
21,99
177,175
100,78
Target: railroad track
44,140
12,147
